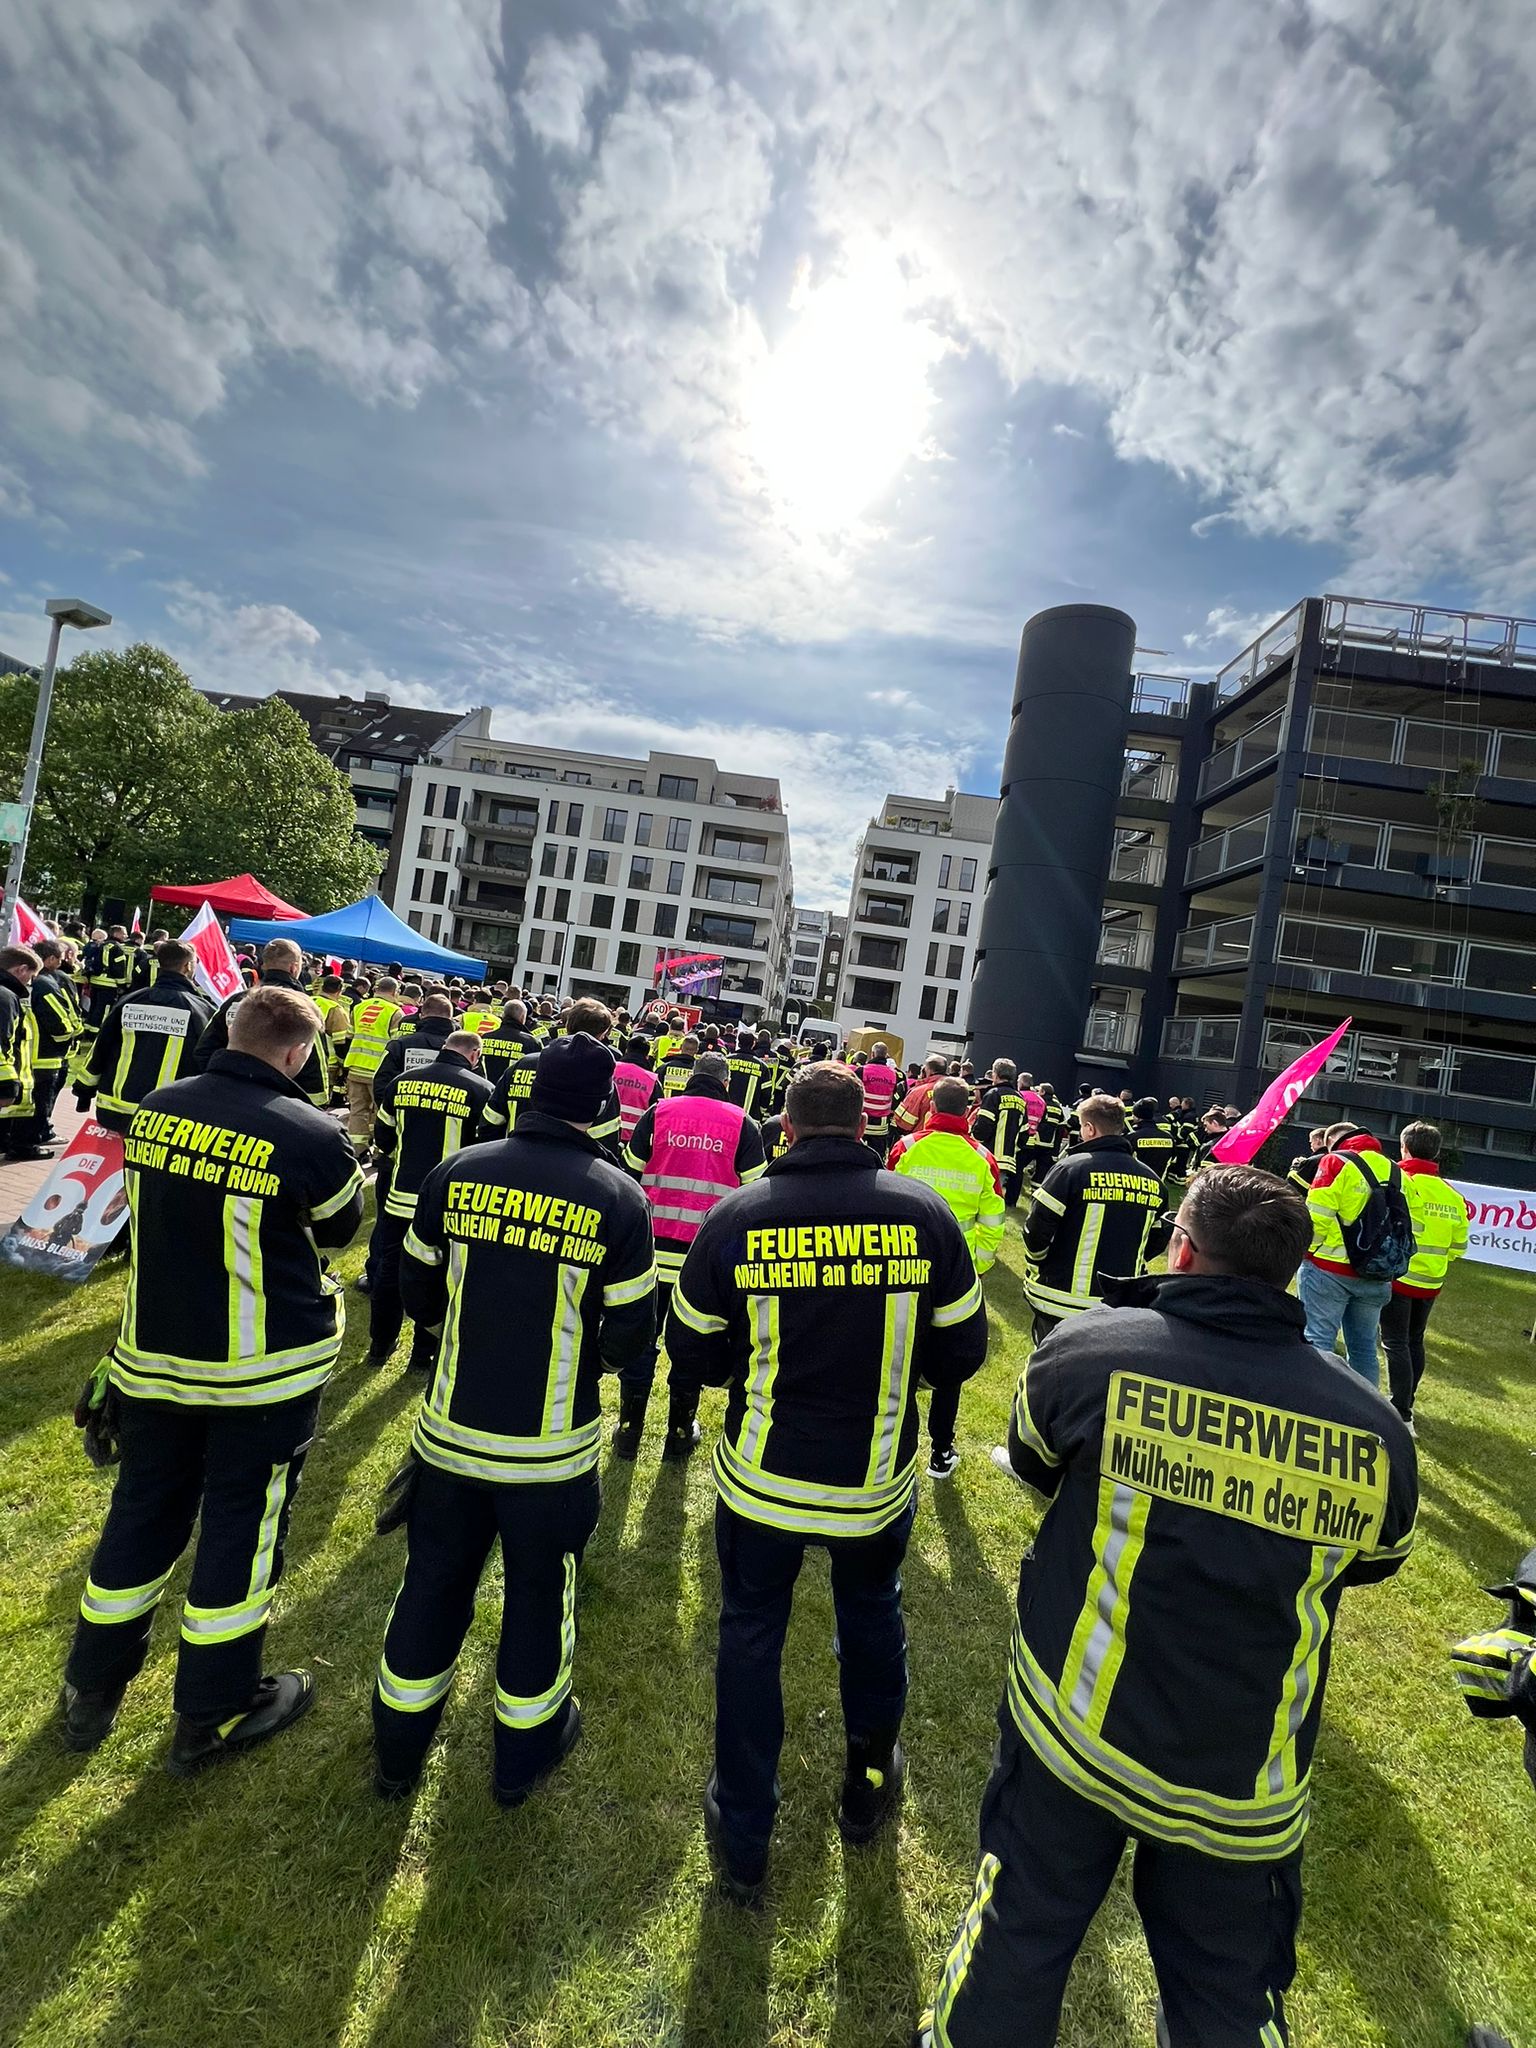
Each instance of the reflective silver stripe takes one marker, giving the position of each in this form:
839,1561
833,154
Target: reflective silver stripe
109,1604
244,1232
956,1311
266,1534
530,1710
764,1362
623,1291
900,1312
1312,1637
1110,1594
684,1183
223,1624
695,1318
1049,1201
337,1201
660,1215
572,1286
412,1695
488,1441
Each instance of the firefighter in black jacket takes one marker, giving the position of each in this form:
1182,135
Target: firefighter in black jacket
282,962
1041,1153
144,1042
751,1073
417,1046
1001,1123
19,1123
1303,1168
423,1116
819,1297
586,1015
534,1258
1152,1138
56,1030
1095,1216
212,1387
1215,1483
507,1040
110,968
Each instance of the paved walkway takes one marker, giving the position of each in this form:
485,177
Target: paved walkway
19,1183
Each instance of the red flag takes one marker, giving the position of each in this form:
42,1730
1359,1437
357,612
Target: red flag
213,964
1275,1104
26,926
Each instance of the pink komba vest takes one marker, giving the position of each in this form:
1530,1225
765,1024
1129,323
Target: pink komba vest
1034,1108
879,1091
692,1163
636,1088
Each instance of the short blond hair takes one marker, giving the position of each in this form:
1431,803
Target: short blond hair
270,1021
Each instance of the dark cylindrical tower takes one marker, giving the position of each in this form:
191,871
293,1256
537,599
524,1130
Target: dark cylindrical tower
1051,845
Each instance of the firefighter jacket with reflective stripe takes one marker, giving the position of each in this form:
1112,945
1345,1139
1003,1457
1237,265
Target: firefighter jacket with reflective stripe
56,1019
673,1072
235,1186
143,1045
15,1046
1094,1217
916,1105
1051,1129
688,1152
946,1158
882,1091
145,971
112,965
1340,1189
500,1046
775,1138
751,1081
1002,1125
636,1088
513,1090
1440,1219
819,1297
534,1256
1303,1170
412,1050
372,1023
1215,1484
423,1117
314,1082
1153,1145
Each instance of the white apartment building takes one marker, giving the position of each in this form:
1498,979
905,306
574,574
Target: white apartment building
807,941
573,873
913,918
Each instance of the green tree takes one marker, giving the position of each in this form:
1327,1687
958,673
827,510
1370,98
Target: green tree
145,781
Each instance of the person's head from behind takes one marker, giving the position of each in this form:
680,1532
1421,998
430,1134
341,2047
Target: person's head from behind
515,1014
1145,1109
386,985
1420,1141
825,1100
1340,1134
588,1015
437,1005
275,1025
951,1098
879,1051
1101,1116
935,1066
20,962
689,1047
281,956
118,931
331,986
1241,1222
1004,1073
466,1044
637,1050
174,958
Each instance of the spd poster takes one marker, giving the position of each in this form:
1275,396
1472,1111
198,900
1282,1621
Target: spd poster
76,1213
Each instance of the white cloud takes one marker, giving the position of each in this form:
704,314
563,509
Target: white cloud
560,79
895,698
1226,628
15,497
1068,433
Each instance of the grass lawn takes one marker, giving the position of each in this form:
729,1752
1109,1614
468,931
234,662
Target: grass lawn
275,1901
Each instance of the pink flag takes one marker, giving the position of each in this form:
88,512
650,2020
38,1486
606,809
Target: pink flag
26,926
213,964
1276,1103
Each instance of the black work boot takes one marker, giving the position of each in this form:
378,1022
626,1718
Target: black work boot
279,1702
872,1782
88,1716
570,1735
631,1425
742,1878
683,1432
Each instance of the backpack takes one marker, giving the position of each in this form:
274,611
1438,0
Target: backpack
1380,1240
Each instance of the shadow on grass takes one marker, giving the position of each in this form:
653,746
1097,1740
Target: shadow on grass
726,2003
879,1989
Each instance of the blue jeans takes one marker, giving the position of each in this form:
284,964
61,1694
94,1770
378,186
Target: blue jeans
1341,1301
758,1569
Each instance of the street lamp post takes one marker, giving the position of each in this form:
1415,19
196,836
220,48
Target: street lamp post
64,611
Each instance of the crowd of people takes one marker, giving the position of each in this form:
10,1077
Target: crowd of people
561,1192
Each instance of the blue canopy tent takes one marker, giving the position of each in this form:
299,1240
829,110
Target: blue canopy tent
368,930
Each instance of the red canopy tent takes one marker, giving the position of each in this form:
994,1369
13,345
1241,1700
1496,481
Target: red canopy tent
240,896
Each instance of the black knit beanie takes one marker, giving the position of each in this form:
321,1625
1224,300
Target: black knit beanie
572,1079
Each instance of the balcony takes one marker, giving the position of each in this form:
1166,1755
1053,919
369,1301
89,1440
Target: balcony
1113,1031
899,915
1149,781
1273,646
1219,851
1445,748
1212,1039
1160,696
473,862
1406,1063
1416,630
899,869
504,821
1418,959
1137,862
1226,943
1124,946
1240,756
492,913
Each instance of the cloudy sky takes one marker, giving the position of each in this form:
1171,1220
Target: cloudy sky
740,374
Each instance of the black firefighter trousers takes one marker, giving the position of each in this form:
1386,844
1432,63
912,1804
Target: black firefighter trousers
544,1528
1222,1935
241,1467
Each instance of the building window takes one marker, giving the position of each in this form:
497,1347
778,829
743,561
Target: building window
631,914
413,919
419,886
576,775
556,948
426,847
945,861
429,802
439,887
562,905
570,863
584,951
553,824
733,889
636,786
597,865
956,965
933,958
880,866
538,903
683,789
895,910
602,913
950,1001
728,846
707,928
967,881
573,818
641,870
865,993
941,914
615,825
436,927
629,958
643,824
888,953
548,855
929,1003
674,878
664,924
964,924
677,835
451,800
